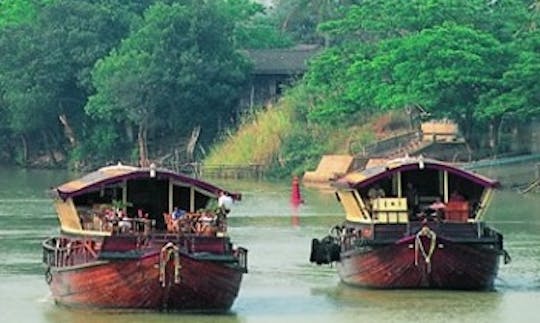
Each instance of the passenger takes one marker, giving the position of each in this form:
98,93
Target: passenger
125,222
179,217
437,208
206,223
375,192
141,214
178,214
455,196
225,203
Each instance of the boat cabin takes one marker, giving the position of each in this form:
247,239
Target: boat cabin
414,189
144,197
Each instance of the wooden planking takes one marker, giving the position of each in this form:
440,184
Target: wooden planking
135,284
455,266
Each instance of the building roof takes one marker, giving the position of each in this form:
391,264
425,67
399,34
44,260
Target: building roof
282,61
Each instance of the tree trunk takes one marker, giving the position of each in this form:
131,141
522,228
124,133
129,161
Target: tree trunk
129,132
192,142
494,133
24,143
143,149
48,148
68,131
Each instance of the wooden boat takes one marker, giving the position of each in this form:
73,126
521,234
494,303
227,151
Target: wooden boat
397,239
119,248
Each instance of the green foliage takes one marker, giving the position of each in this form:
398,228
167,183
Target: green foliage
300,18
162,70
259,33
104,142
519,91
16,12
448,57
44,65
165,67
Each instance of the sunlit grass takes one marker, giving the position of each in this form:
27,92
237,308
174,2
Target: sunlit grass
280,137
258,139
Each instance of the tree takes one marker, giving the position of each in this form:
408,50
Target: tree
443,55
16,12
45,68
300,18
180,67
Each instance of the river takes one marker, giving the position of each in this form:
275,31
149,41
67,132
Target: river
281,286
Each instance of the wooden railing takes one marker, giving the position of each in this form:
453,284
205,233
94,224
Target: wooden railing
62,252
58,252
221,170
382,146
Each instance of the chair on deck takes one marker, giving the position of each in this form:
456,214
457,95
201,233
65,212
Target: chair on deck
172,226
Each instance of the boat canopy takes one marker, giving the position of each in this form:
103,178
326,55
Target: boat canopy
401,189
116,174
131,192
369,176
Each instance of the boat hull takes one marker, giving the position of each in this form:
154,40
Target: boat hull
142,284
451,265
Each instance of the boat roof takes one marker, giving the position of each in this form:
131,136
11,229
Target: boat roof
113,174
368,176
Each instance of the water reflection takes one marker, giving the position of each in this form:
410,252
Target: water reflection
415,305
60,314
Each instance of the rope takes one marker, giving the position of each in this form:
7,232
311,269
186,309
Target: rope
418,245
167,253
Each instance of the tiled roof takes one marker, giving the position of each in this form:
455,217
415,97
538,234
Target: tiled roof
287,61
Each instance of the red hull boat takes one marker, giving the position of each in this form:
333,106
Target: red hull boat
400,240
147,262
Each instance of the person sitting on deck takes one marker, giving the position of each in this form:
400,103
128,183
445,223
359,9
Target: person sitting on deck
178,218
437,208
125,222
206,224
178,214
455,196
375,192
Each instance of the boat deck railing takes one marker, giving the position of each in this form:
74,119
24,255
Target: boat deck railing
59,252
70,251
472,232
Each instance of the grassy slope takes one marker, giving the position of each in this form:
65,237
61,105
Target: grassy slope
257,140
282,140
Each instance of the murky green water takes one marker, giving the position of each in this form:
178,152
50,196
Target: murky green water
281,286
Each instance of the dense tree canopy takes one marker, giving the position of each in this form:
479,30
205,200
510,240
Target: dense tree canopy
470,60
82,77
96,80
181,63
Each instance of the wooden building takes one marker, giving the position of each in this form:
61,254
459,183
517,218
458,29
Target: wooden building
273,70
